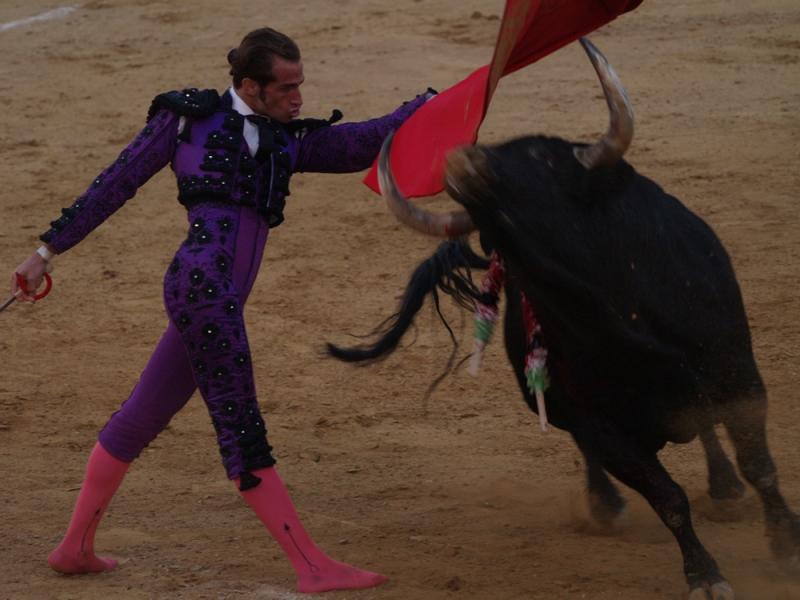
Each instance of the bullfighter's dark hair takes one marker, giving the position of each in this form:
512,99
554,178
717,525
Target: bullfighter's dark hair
253,58
448,270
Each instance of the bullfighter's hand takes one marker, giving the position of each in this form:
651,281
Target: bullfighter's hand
32,269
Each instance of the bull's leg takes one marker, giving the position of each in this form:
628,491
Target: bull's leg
640,469
723,483
746,424
605,502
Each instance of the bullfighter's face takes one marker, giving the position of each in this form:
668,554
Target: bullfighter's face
280,99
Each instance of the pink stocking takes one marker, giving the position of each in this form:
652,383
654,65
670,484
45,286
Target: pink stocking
316,572
75,553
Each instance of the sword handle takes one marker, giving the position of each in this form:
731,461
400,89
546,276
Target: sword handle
23,285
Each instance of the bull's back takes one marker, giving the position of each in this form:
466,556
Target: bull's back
628,282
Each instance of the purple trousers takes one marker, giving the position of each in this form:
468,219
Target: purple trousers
205,345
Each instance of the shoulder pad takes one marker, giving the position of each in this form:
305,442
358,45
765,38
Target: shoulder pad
186,103
306,125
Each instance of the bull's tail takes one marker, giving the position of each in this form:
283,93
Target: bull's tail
448,270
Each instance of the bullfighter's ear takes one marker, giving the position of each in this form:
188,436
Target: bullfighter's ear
608,150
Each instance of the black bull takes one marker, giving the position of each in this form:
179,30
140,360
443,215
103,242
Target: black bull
641,313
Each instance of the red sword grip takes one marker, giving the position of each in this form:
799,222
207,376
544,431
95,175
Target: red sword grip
23,285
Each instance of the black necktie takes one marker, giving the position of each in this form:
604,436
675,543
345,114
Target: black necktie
266,136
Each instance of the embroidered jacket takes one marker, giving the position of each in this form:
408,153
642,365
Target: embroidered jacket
212,161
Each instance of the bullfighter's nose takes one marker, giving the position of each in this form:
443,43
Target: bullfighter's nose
466,173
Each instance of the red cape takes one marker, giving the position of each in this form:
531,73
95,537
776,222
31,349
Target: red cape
530,29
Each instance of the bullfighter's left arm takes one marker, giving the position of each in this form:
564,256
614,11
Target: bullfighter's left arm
350,147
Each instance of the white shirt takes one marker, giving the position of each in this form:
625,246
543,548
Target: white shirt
250,129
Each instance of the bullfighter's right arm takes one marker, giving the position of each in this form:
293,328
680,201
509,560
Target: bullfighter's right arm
149,152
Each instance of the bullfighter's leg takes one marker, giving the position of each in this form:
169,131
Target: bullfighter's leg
75,554
640,469
723,483
166,384
745,421
205,303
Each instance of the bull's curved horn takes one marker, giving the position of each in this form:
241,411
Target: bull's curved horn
450,225
610,148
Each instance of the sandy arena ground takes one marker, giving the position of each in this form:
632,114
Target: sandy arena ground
459,497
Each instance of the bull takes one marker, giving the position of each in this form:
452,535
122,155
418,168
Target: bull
646,332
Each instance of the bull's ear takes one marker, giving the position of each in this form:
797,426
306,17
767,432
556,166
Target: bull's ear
610,148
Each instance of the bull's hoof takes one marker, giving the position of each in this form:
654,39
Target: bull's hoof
784,541
607,510
724,484
720,590
726,510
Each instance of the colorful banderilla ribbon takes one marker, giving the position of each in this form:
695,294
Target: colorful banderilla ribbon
486,316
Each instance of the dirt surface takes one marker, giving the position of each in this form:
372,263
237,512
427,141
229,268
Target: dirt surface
459,497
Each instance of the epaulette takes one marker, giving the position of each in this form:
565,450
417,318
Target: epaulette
187,103
312,124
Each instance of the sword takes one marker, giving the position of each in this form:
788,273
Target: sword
9,302
23,289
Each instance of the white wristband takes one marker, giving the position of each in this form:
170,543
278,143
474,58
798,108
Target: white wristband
45,253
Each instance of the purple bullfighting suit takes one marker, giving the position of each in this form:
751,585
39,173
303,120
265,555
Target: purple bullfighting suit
233,199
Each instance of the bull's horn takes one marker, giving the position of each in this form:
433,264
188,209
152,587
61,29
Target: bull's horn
610,148
450,225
